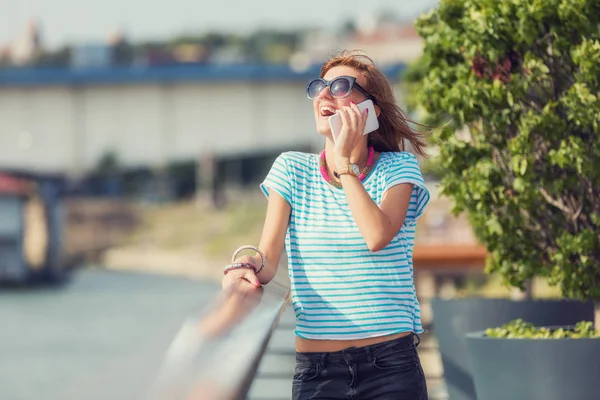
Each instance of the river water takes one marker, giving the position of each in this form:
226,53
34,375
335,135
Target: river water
103,335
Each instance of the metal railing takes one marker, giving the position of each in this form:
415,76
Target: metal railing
215,355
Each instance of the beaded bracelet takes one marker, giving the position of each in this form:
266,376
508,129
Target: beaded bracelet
256,249
232,266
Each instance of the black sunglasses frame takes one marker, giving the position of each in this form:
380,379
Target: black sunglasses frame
350,79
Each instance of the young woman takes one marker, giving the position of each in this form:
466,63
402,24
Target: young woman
347,219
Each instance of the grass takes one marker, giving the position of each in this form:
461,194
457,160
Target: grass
216,233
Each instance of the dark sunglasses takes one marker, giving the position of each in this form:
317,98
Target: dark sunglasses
339,87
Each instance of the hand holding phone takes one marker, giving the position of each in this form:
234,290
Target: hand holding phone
335,121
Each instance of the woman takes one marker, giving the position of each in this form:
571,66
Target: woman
347,220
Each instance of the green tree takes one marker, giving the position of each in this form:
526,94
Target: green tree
519,81
271,46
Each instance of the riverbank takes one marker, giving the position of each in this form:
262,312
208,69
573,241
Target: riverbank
190,239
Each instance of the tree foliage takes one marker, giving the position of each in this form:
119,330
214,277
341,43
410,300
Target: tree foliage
520,82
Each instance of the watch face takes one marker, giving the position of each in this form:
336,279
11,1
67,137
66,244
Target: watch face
354,168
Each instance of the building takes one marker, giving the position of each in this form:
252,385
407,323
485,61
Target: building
24,48
387,40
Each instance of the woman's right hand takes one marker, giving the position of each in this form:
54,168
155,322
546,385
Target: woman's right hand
244,277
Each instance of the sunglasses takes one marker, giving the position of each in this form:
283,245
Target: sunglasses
339,87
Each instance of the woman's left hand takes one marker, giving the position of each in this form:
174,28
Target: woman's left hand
353,126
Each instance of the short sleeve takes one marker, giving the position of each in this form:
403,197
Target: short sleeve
278,179
405,169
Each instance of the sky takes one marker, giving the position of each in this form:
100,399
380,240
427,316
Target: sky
78,21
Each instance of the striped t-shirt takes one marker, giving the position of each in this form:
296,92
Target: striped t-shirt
340,289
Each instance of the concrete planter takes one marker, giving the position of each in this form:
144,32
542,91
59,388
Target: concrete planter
454,318
534,369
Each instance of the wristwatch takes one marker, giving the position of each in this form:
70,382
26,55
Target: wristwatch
351,169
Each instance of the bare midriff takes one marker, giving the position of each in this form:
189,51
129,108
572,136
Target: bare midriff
326,346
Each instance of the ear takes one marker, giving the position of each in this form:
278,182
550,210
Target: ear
377,110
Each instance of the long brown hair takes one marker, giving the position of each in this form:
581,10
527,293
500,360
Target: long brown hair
393,130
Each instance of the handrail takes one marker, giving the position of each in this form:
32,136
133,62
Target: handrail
216,354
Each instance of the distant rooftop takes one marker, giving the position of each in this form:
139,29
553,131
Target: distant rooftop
176,73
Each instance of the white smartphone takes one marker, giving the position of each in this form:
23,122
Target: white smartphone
335,121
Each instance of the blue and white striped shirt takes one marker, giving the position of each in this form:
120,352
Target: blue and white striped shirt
340,289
